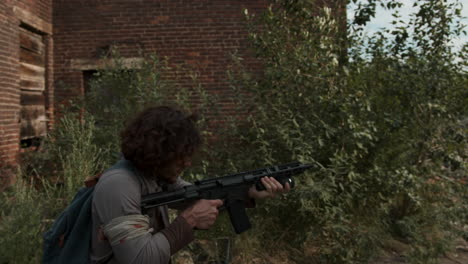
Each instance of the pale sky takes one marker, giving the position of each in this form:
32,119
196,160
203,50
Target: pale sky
383,17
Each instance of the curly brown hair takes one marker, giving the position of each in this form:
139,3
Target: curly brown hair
159,136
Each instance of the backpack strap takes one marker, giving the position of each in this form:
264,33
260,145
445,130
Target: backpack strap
125,164
92,181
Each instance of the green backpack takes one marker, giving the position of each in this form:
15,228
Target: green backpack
69,239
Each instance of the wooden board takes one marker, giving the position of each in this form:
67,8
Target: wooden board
32,85
31,41
35,71
33,121
32,57
32,98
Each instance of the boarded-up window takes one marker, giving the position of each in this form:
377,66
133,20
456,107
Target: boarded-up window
32,84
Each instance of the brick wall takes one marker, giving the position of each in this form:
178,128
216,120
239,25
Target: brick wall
9,84
201,34
37,15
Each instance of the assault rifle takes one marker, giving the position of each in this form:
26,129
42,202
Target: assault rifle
233,189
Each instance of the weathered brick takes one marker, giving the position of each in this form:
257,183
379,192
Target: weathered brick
192,32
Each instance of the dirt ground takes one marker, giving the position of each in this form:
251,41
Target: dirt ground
395,254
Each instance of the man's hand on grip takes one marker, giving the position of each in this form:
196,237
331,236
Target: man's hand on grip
202,214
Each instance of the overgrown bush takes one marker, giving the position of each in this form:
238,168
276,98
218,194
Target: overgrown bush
385,127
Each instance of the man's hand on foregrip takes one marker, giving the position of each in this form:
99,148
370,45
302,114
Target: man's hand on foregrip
272,187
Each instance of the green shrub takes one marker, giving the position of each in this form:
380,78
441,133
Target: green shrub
385,128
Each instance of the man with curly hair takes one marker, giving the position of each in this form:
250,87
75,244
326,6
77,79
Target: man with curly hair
157,146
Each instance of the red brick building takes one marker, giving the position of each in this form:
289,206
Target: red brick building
44,43
26,74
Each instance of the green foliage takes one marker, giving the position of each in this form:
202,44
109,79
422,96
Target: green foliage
21,224
117,93
385,128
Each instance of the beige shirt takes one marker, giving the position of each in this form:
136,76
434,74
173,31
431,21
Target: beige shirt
117,193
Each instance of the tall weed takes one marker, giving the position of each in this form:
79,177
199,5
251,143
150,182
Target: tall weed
21,223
